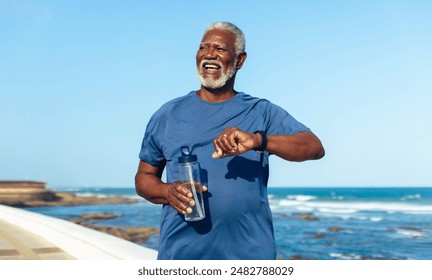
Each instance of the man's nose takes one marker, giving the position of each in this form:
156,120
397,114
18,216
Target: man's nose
210,53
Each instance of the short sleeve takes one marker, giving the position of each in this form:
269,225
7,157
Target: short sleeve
151,150
281,122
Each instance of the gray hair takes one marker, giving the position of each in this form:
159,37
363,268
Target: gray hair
240,42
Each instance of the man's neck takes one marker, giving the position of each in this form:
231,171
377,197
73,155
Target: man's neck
215,95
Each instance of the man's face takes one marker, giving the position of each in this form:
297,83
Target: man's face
216,58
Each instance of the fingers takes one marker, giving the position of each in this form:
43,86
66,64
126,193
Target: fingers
216,155
226,143
232,141
180,197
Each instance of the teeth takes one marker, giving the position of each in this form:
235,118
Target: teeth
211,66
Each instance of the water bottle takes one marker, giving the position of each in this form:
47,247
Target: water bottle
190,177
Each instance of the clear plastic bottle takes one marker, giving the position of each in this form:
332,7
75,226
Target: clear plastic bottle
190,176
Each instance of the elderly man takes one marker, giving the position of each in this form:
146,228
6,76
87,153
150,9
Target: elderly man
233,134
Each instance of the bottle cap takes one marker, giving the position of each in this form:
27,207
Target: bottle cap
186,155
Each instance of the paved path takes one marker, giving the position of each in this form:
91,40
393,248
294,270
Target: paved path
25,235
19,244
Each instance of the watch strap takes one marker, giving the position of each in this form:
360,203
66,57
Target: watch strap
264,141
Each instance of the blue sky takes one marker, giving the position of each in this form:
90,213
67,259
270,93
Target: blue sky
80,79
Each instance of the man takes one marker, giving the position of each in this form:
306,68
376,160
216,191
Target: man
233,135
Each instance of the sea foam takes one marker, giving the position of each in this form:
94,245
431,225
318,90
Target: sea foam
352,207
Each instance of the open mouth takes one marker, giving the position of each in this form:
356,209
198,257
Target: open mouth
211,67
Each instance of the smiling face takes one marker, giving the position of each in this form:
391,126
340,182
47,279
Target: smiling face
216,59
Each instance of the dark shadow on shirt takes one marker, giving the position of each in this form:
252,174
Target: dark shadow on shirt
240,167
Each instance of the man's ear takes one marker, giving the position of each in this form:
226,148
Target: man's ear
241,59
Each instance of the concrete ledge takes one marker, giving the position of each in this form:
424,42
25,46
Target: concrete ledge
80,242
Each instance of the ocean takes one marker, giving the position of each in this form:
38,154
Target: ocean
322,223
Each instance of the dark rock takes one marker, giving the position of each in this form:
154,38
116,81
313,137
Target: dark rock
99,216
411,229
306,216
133,234
71,199
298,257
335,229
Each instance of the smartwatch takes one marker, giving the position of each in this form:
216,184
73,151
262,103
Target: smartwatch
264,141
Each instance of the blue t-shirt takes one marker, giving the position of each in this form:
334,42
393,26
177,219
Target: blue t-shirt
238,222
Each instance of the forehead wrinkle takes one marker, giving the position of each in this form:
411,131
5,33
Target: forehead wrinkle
212,43
227,39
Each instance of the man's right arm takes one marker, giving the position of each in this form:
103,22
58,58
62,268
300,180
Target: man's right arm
148,184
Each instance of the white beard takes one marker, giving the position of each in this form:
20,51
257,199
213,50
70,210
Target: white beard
216,83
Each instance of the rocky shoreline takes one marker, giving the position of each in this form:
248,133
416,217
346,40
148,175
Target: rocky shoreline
69,199
133,234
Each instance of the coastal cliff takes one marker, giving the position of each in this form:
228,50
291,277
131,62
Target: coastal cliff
35,194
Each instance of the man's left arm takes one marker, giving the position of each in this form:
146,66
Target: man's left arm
300,146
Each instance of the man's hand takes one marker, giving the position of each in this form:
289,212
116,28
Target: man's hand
234,141
179,197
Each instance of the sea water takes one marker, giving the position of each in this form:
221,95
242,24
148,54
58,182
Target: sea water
309,223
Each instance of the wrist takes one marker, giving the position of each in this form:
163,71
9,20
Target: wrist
167,191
